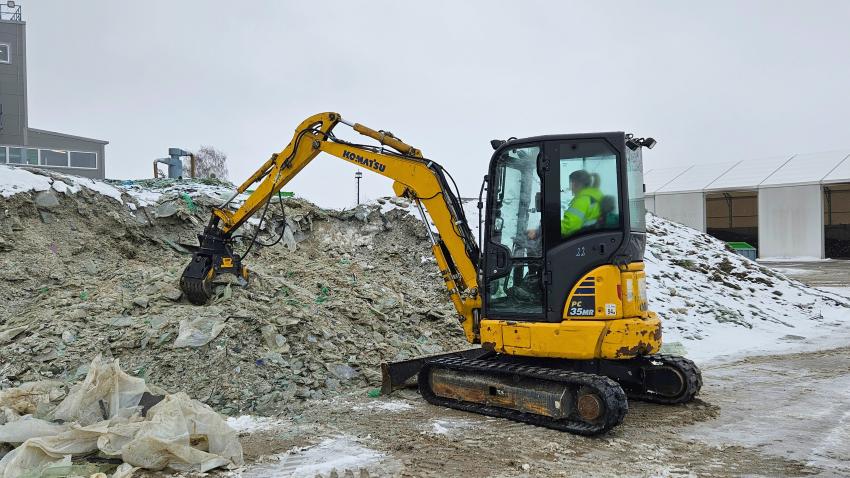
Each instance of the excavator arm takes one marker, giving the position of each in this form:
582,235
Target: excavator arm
416,178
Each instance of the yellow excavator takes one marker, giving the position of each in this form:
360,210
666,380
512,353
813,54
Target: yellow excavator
557,297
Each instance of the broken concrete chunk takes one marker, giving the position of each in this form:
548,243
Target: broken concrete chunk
47,217
166,209
173,294
400,202
342,371
142,302
9,335
46,199
273,340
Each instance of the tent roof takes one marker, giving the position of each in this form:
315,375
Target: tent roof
798,169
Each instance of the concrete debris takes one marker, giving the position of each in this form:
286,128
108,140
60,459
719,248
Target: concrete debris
323,309
46,199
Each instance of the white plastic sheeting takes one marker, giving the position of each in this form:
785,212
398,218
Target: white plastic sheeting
655,179
839,174
747,174
791,222
805,169
684,208
789,170
696,178
103,415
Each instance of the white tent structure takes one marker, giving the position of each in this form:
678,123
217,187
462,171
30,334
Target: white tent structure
792,206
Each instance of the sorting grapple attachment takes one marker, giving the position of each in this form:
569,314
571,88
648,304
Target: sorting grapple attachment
214,257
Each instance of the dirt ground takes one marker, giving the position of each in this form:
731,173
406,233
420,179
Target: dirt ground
784,415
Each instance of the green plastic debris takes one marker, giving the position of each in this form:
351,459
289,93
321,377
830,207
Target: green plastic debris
675,348
740,245
374,393
84,295
189,203
324,291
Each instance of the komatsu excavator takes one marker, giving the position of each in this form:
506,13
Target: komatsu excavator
557,300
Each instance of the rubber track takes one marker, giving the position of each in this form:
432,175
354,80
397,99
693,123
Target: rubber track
692,374
614,399
197,291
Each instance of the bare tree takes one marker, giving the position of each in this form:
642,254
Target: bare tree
209,163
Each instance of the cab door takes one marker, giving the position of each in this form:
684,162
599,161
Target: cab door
585,217
514,245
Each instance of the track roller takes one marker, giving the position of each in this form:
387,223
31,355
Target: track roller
575,402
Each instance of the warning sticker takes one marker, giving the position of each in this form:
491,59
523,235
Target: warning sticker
610,309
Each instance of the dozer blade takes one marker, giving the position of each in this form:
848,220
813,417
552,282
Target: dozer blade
395,375
574,402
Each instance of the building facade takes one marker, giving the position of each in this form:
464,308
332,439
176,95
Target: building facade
795,206
24,146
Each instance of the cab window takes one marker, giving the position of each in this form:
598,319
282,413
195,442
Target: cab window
589,188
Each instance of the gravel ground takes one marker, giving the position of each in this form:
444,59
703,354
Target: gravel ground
782,415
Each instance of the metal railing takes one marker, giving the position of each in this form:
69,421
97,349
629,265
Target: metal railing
10,11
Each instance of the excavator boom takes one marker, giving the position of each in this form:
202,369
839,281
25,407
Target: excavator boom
419,179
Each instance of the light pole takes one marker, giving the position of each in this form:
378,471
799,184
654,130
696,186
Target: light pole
357,176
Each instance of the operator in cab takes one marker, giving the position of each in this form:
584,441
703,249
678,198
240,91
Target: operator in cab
585,208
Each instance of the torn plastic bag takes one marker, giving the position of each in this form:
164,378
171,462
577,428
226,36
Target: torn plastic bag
24,400
27,427
198,332
174,424
105,391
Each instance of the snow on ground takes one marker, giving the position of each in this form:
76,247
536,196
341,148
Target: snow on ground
252,424
14,180
385,405
449,426
148,192
339,454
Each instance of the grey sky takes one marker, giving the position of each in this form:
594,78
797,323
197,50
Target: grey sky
712,81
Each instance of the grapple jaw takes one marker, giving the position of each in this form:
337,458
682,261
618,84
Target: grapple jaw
214,257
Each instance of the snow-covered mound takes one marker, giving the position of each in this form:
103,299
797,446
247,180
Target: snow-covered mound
716,302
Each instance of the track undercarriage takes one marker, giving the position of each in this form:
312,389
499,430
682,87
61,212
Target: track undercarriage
585,397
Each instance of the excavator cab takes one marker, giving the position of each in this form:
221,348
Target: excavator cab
559,207
565,326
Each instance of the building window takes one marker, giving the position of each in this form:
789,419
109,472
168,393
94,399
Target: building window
15,156
2,155
5,56
31,156
83,160
53,157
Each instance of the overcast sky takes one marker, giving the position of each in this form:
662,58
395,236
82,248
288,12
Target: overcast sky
712,81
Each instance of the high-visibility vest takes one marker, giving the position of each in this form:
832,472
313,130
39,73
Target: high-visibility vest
582,212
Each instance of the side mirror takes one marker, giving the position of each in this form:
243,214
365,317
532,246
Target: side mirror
498,223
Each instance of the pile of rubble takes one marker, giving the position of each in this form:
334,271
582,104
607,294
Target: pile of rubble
93,267
92,270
